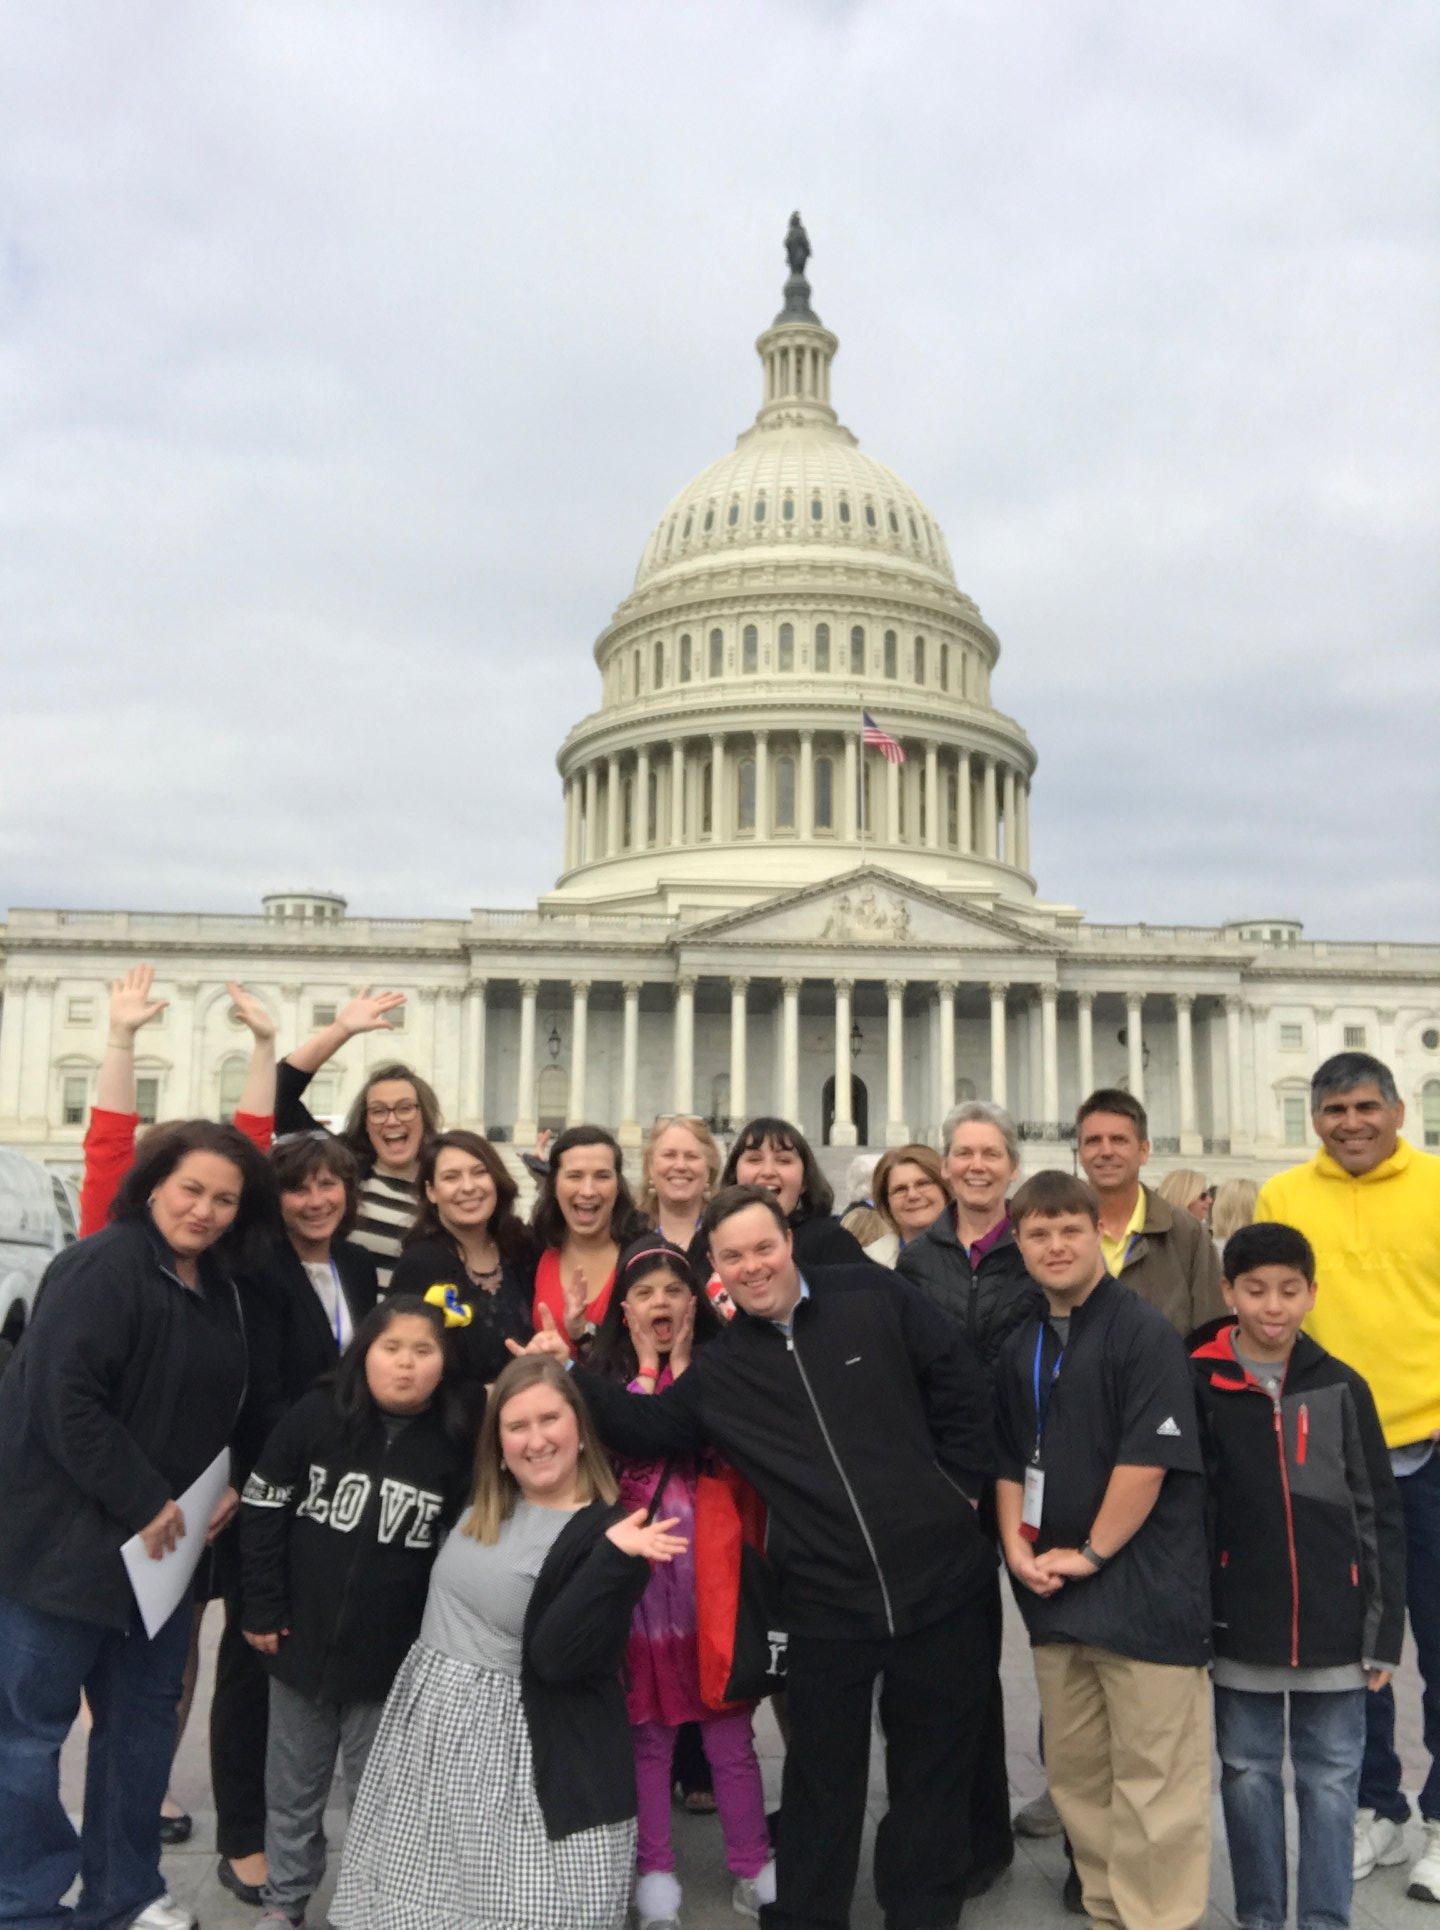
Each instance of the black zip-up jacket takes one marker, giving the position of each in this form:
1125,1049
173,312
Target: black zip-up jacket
990,1301
572,1649
291,1342
480,1350
1307,1537
339,1529
865,1431
100,1425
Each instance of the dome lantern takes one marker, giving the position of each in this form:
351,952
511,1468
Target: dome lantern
796,350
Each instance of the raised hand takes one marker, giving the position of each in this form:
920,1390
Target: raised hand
546,1340
366,1012
250,1012
131,1005
577,1298
652,1542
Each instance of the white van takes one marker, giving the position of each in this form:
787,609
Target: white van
37,1220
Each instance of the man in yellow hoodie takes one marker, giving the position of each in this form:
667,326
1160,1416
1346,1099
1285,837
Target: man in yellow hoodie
1369,1204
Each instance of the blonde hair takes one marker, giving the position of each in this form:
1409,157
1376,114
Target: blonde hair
1182,1186
1232,1208
866,1223
647,1200
496,1489
926,1158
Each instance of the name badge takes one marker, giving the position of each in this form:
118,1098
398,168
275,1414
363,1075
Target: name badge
1033,1505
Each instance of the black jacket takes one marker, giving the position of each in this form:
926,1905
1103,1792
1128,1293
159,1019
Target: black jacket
338,1534
990,1301
572,1651
821,1241
864,1432
99,1424
1307,1538
291,1342
480,1350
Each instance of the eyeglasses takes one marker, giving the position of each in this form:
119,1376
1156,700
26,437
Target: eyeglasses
403,1110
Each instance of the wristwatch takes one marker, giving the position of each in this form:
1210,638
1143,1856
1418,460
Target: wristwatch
1097,1562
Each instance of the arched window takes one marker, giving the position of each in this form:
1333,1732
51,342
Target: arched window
707,796
1430,1111
750,650
914,533
817,509
745,806
894,523
709,522
637,671
732,515
901,826
822,647
787,646
689,525
787,509
857,652
685,658
952,809
869,515
627,814
658,677
717,653
824,794
759,510
944,666
652,809
920,665
844,509
892,655
785,794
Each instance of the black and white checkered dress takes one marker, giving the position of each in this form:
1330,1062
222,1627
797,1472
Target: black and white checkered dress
447,1833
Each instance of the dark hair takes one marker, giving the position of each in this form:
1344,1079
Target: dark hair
162,1151
506,1229
1343,1071
1267,1243
734,1199
547,1222
296,1157
612,1352
355,1133
354,1402
817,1196
1123,1104
1049,1194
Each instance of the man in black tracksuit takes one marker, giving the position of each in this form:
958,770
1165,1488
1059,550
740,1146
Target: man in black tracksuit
863,1420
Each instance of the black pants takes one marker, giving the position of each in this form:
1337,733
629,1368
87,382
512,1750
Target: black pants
992,1837
935,1692
238,1725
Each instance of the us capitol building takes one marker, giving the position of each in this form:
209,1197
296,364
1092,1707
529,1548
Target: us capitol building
755,913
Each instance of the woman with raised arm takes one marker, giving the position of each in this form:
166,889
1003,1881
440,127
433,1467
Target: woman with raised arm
776,1155
583,1216
501,1785
394,1113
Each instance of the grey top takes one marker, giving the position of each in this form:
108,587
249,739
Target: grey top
1269,1373
1060,1327
479,1592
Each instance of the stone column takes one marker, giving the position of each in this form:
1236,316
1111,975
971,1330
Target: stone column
1022,823
1324,1038
35,1079
684,1045
848,813
641,824
677,793
897,1132
717,801
592,811
612,804
1135,1045
1185,1052
932,797
579,1045
1049,1057
12,1043
842,1128
629,1133
988,835
472,1055
945,1057
1085,1031
1034,1087
891,833
1385,1016
805,823
1234,1104
762,784
739,1050
427,1040
526,1124
184,1083
1008,792
790,1049
998,989
966,814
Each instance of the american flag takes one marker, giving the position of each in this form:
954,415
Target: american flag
890,748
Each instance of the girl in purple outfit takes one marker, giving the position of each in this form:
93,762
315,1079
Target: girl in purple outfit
654,1318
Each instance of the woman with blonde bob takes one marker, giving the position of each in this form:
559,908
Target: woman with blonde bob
501,1786
1187,1189
678,1174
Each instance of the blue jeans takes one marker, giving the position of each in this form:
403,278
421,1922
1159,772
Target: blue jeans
1380,1778
1327,1739
133,1688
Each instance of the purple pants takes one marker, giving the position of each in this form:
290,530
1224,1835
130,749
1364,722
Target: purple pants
729,1746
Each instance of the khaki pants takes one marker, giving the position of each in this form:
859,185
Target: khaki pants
1127,1754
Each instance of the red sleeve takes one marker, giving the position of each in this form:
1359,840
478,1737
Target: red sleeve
258,1128
109,1151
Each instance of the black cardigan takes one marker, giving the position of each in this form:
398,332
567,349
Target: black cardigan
291,1342
572,1651
480,1350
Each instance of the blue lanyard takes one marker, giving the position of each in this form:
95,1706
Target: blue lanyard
1042,1408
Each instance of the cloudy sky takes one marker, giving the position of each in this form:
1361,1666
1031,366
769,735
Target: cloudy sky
348,354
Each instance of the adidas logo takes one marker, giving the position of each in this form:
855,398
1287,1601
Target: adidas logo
1168,1428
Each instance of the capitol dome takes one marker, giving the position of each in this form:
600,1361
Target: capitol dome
791,587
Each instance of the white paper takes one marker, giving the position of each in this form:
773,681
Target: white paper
160,1585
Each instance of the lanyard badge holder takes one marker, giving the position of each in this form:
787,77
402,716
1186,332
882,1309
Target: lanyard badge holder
1033,1504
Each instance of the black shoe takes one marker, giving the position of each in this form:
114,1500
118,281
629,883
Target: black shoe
243,1892
985,1878
1071,1896
176,1829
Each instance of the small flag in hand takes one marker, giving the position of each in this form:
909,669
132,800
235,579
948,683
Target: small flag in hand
890,748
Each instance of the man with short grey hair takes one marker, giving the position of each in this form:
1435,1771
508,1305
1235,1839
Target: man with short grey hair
1369,1204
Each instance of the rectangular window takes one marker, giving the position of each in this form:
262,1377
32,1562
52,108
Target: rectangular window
857,652
746,801
1292,1107
824,794
685,659
892,655
717,653
321,1016
787,647
1354,1038
785,794
822,648
750,650
1292,1038
147,1098
79,1011
75,1089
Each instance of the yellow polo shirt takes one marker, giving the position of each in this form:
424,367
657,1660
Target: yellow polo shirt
1116,1249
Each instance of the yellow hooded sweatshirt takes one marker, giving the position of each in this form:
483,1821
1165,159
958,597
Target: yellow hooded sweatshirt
1376,1237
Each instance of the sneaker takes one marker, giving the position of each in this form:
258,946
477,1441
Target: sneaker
1378,1842
751,1892
657,1901
1425,1874
1040,1818
165,1914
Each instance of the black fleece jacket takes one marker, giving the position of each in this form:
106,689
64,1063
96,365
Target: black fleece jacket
865,1432
989,1300
291,1342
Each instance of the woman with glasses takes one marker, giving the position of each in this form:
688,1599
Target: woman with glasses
910,1195
393,1116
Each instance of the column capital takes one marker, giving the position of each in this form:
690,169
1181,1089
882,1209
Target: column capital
1234,1002
1386,1014
845,985
740,984
945,988
529,987
1049,994
1259,1013
631,987
895,987
790,986
1183,1000
451,993
1085,1000
761,735
1133,1001
429,994
581,987
999,987
686,984
45,984
807,737
186,988
1324,1013
480,985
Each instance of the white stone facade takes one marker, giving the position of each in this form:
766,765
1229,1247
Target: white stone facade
754,913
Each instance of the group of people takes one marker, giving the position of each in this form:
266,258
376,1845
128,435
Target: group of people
525,1517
